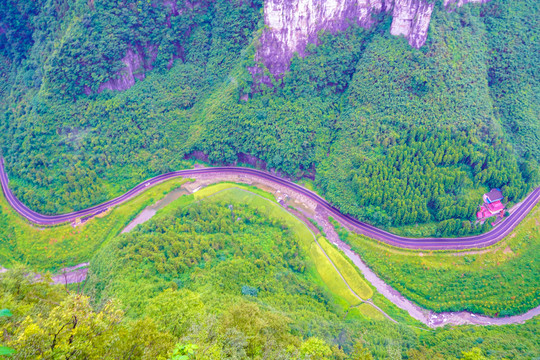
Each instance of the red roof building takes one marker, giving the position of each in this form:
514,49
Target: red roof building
495,207
483,213
488,210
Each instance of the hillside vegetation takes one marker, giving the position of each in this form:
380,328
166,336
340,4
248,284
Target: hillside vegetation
502,280
435,126
220,255
98,95
56,247
222,278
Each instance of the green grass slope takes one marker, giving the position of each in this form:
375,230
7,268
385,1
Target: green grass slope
52,248
231,247
501,280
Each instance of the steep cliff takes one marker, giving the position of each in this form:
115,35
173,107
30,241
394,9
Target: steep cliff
459,3
410,18
136,63
292,24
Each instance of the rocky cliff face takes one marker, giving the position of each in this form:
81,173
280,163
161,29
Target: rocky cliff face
136,63
292,24
139,59
459,3
410,18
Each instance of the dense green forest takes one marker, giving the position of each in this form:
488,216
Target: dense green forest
436,126
216,280
399,137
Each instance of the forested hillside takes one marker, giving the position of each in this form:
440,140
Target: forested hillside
98,95
216,279
394,135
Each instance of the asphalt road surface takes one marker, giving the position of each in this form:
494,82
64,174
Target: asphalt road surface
478,241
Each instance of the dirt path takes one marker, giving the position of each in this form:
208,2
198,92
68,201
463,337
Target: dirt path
348,286
69,275
72,275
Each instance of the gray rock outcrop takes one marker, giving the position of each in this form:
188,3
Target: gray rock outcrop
292,24
460,3
410,18
136,63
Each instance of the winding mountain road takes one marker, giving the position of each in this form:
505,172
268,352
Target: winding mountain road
478,241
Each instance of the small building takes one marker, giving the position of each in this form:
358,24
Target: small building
493,196
492,205
483,213
495,207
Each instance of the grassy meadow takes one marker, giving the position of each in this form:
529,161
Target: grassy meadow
347,270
